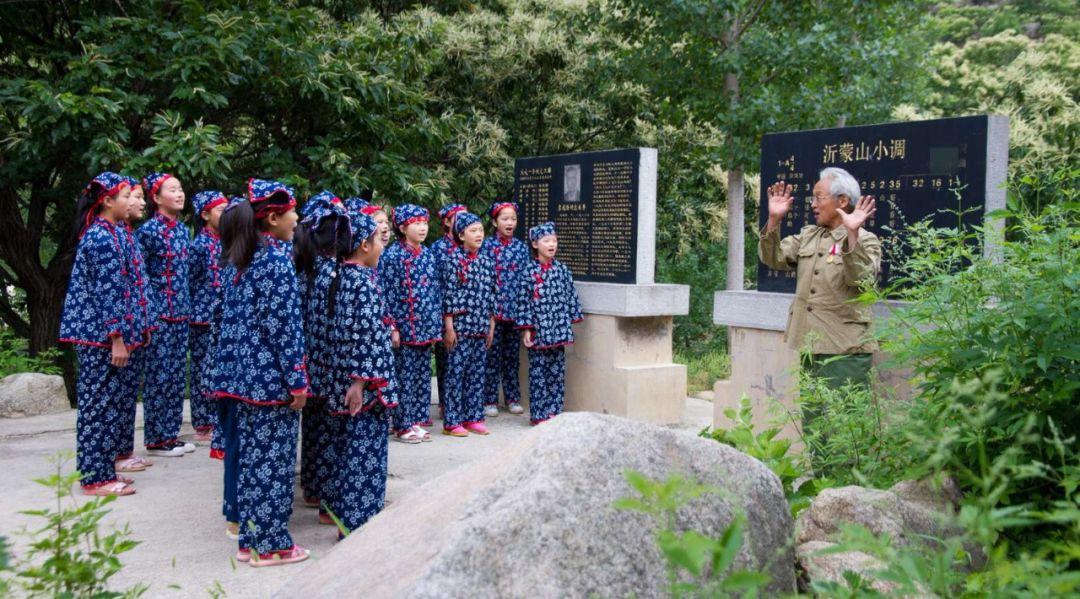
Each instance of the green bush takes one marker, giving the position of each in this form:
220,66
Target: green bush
703,367
68,555
14,357
1018,317
790,467
861,437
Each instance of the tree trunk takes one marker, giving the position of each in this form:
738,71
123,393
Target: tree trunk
736,226
736,252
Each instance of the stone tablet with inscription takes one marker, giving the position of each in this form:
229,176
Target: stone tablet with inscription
914,170
604,208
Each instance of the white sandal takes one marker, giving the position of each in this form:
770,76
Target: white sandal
409,437
424,435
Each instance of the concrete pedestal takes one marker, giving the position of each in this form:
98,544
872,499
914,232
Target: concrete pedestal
621,361
763,367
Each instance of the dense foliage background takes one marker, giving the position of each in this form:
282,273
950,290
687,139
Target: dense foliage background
429,102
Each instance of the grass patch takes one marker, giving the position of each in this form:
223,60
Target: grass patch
704,369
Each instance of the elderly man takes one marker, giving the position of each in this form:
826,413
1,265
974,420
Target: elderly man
833,258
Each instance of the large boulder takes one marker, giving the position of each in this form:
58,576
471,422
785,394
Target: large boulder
537,520
32,394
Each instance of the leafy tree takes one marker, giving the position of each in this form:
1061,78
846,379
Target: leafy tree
1021,59
750,67
416,104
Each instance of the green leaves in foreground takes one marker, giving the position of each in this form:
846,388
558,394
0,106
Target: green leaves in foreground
697,565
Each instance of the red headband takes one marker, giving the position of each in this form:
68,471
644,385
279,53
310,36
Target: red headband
157,184
215,203
91,214
497,208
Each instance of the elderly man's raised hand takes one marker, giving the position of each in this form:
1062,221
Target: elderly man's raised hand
864,209
780,201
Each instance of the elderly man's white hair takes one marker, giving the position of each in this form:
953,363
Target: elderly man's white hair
841,183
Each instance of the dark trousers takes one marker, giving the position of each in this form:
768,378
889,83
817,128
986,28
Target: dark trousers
165,383
315,434
101,391
358,450
267,469
502,365
203,410
547,383
835,371
228,437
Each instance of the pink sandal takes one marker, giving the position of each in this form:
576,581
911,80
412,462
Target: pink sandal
477,428
130,465
113,487
243,555
279,558
455,431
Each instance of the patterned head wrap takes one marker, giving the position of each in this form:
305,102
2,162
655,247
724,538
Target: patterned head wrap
153,182
105,185
541,231
356,204
362,227
407,214
323,199
464,220
268,197
207,200
493,211
450,210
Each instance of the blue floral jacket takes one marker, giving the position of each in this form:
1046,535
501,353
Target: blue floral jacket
166,244
359,340
205,276
548,304
259,350
469,291
409,281
102,299
511,257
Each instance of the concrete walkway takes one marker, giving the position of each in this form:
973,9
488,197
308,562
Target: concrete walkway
175,515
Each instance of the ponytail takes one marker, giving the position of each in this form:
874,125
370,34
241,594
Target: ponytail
331,293
343,246
85,210
239,237
304,250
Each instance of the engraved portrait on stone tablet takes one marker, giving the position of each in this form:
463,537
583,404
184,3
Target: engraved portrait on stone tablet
572,183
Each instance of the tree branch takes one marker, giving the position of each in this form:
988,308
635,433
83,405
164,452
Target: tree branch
7,311
748,20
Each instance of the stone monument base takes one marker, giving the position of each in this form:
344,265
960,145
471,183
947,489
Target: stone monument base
763,367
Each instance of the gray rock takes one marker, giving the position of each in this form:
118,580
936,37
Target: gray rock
907,512
537,520
910,512
831,567
32,394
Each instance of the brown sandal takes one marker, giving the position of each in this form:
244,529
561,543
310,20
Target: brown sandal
279,558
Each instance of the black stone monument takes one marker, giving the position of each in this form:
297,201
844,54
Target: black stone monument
592,198
915,171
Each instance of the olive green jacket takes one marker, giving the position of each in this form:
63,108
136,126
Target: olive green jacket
828,277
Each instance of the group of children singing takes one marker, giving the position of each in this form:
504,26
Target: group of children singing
310,324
